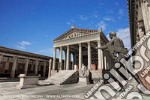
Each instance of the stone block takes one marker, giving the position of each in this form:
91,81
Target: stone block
27,81
84,80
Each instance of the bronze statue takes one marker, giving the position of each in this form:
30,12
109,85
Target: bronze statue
115,47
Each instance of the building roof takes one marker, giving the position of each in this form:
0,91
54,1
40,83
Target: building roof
22,53
80,30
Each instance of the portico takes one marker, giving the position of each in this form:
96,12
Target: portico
15,62
80,43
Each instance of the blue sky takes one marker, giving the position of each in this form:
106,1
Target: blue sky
31,25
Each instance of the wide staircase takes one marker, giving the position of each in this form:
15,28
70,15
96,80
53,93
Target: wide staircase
62,77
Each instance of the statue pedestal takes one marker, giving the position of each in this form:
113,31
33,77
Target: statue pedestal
84,77
84,80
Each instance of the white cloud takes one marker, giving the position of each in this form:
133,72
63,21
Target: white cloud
83,18
49,52
23,44
68,23
109,19
95,15
124,34
102,25
110,12
46,51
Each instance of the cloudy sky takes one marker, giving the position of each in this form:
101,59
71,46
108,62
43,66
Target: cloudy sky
31,25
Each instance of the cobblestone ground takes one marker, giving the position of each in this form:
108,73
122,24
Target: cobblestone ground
8,91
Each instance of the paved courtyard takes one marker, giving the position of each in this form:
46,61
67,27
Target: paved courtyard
52,92
75,91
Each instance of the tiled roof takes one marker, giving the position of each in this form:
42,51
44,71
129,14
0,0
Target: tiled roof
23,53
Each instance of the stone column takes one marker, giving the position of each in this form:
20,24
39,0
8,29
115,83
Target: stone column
73,67
75,61
54,59
102,59
26,66
145,16
44,69
89,55
50,65
39,67
36,66
67,61
75,58
1,64
80,56
70,62
60,58
32,66
7,65
12,75
105,63
100,56
1,58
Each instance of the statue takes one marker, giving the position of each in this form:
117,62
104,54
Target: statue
83,70
84,77
116,49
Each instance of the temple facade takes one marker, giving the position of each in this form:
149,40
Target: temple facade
14,62
80,45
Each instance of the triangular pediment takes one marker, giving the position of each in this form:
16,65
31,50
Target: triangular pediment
74,33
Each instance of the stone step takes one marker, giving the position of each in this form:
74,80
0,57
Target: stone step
59,77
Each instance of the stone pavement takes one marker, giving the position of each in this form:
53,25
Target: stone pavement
52,92
75,91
